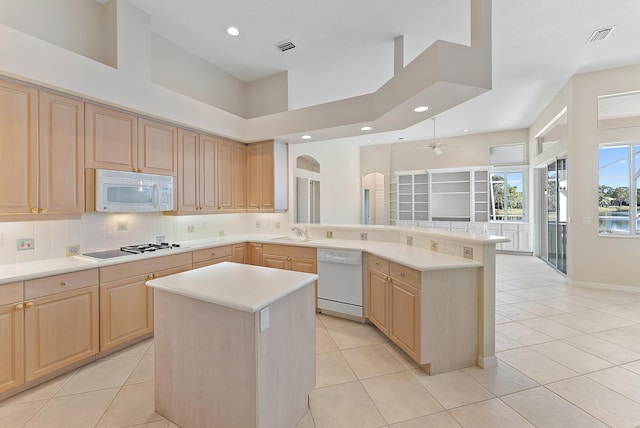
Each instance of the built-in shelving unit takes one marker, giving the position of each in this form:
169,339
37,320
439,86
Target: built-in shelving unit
440,195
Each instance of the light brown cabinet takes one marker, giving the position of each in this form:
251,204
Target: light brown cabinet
290,257
60,321
42,146
240,254
11,336
197,176
267,177
212,256
121,141
231,176
255,253
126,303
393,303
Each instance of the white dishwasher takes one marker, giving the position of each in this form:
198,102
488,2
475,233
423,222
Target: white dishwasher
340,281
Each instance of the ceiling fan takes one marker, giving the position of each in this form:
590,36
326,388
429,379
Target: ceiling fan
436,147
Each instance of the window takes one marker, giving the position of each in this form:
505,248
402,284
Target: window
619,181
508,195
507,154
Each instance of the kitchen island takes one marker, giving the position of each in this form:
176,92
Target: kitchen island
234,346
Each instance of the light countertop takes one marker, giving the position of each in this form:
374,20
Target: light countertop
244,287
411,256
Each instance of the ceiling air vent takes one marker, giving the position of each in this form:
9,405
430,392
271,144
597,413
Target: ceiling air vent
285,45
600,34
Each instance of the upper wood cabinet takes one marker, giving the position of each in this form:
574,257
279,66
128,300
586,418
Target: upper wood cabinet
42,146
231,176
157,147
267,177
19,148
61,159
121,141
197,178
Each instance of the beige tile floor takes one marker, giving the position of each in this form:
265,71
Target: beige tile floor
568,357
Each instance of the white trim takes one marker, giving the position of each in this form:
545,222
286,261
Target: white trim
486,362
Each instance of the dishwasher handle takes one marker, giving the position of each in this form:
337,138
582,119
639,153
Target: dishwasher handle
346,257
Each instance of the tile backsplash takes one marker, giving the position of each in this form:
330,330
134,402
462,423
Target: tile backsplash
100,231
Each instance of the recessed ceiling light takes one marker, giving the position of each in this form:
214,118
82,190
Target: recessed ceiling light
233,31
306,137
465,130
366,128
421,109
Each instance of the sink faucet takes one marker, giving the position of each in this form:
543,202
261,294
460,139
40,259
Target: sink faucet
300,231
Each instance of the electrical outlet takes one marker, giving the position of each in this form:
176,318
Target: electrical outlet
329,234
434,245
122,226
160,239
277,225
73,250
363,236
468,252
258,224
25,244
409,240
190,229
221,232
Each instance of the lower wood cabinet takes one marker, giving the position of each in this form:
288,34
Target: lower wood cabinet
393,303
126,303
255,253
290,257
11,336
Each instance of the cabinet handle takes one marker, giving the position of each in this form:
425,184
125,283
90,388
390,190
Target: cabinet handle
18,306
43,210
213,254
64,283
401,274
33,210
377,263
28,304
155,275
388,279
150,276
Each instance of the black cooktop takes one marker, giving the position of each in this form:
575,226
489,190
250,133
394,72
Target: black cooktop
130,250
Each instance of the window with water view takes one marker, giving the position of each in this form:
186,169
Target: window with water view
619,182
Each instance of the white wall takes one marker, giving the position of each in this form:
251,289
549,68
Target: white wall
188,74
76,25
268,95
340,181
98,231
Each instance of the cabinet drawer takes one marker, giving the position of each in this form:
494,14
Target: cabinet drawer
405,274
212,253
378,263
290,250
10,293
143,267
59,283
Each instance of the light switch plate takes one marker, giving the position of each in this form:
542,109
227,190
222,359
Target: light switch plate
160,239
434,245
73,250
468,252
264,319
409,240
364,236
329,234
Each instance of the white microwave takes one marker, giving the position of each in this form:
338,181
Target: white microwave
119,191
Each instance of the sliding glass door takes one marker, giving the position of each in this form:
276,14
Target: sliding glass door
553,214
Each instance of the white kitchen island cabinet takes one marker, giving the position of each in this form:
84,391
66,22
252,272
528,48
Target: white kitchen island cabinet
234,346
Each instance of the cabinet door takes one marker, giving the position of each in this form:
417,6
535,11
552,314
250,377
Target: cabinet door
275,261
157,147
255,254
18,145
12,349
240,179
61,146
303,265
126,311
60,330
208,194
225,174
253,177
239,253
188,170
267,180
110,139
405,317
378,300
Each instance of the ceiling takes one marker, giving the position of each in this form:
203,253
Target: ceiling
346,48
